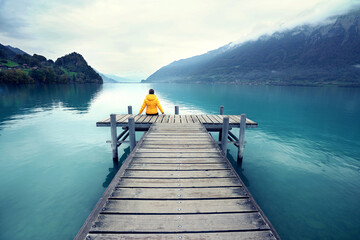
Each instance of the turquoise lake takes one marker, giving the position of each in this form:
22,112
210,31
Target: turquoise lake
302,163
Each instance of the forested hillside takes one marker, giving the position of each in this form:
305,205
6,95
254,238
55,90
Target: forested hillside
18,67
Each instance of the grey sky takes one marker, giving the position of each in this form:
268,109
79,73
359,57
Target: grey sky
134,38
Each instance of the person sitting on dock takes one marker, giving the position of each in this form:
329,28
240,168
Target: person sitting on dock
151,103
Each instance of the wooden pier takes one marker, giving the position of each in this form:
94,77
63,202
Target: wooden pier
176,184
209,121
215,123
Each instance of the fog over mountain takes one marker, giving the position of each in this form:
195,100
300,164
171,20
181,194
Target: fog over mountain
324,54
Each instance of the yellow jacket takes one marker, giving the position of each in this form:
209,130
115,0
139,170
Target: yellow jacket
151,102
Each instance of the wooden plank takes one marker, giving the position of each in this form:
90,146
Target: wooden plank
125,118
236,118
178,146
178,142
153,119
184,150
207,119
263,235
189,119
171,137
120,118
147,119
187,127
106,120
172,223
156,174
178,128
172,119
219,119
160,118
141,119
175,131
184,119
176,207
166,119
177,134
179,183
183,139
177,160
136,118
177,118
194,118
180,136
144,166
184,193
248,121
179,155
168,125
201,119
213,119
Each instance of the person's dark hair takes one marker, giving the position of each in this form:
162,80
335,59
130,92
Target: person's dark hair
151,91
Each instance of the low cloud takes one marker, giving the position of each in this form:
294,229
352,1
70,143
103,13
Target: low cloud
135,38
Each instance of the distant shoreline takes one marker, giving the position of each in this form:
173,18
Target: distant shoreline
265,84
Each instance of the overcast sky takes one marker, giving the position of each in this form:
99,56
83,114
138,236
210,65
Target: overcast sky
134,38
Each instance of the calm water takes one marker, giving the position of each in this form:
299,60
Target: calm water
302,164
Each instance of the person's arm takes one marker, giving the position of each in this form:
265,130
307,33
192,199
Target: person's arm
159,106
142,107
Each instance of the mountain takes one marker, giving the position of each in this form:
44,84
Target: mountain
18,67
106,79
120,79
5,52
75,63
327,54
110,78
16,50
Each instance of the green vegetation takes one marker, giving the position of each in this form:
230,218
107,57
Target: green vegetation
25,69
8,63
67,73
77,69
15,76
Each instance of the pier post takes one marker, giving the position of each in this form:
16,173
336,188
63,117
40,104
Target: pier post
132,133
221,113
113,136
241,138
176,110
129,109
224,135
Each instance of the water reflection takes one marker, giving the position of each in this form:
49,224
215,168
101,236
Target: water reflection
115,168
238,168
15,100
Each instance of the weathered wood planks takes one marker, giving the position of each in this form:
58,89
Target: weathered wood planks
178,166
184,193
177,184
177,174
261,234
175,206
173,223
147,121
